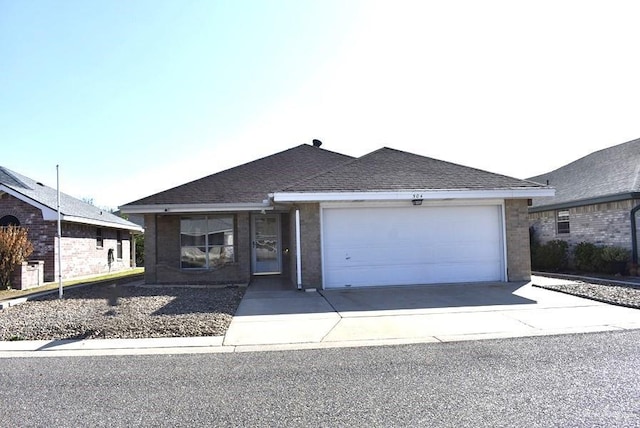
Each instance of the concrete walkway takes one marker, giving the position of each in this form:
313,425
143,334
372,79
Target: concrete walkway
272,318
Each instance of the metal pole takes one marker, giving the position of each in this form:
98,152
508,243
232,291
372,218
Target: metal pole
59,236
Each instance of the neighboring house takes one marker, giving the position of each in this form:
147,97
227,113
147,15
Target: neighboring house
89,234
325,220
597,199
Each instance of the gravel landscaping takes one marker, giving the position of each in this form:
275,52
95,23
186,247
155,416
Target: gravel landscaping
601,290
123,311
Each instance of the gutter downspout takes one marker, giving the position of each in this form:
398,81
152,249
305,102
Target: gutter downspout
298,254
634,237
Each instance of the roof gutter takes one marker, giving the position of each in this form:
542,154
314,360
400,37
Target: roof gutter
513,193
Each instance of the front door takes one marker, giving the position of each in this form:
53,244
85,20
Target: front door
265,244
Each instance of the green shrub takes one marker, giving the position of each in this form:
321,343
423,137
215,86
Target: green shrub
588,257
552,256
615,254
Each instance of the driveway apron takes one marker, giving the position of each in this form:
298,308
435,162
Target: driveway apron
417,314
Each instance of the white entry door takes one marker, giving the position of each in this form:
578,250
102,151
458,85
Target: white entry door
412,245
265,244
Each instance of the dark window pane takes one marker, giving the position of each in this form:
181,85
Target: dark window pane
9,220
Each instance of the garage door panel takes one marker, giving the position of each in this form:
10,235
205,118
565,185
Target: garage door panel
443,253
411,274
413,245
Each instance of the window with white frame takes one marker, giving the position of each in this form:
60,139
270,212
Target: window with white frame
206,242
562,221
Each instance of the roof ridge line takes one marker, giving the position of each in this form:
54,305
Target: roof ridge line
347,162
14,177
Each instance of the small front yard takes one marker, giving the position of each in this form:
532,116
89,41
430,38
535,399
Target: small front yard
123,311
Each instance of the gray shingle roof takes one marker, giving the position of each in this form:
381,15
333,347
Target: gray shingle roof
390,169
69,206
250,182
605,173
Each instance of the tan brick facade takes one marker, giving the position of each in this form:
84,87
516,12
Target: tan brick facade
517,237
311,245
601,224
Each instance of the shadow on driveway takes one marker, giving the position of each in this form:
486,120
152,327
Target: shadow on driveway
426,297
289,302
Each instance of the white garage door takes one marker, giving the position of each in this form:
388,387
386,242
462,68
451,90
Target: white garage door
412,245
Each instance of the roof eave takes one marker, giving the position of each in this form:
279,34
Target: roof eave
511,193
194,208
582,202
101,223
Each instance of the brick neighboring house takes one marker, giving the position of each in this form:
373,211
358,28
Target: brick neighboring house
89,234
326,220
597,200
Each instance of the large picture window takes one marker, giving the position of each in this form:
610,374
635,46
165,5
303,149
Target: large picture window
206,242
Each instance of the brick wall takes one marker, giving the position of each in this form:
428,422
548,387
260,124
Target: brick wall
80,256
162,254
600,224
41,233
150,241
517,237
293,250
310,245
286,243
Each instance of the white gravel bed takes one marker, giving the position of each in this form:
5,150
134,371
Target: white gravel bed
123,311
601,291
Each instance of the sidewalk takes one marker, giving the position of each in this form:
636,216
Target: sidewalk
287,320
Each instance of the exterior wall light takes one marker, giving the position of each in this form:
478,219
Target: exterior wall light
416,202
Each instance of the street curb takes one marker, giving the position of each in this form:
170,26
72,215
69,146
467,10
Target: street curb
111,344
195,348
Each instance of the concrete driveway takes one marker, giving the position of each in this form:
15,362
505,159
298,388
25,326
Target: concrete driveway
352,317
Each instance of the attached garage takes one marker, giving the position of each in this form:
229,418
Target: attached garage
405,244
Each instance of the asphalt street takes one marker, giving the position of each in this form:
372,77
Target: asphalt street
568,380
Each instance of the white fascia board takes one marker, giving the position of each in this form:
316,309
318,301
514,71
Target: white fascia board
48,213
513,193
193,208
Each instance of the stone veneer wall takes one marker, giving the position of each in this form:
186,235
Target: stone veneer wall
600,224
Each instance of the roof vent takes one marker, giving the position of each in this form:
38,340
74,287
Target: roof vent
39,184
317,143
